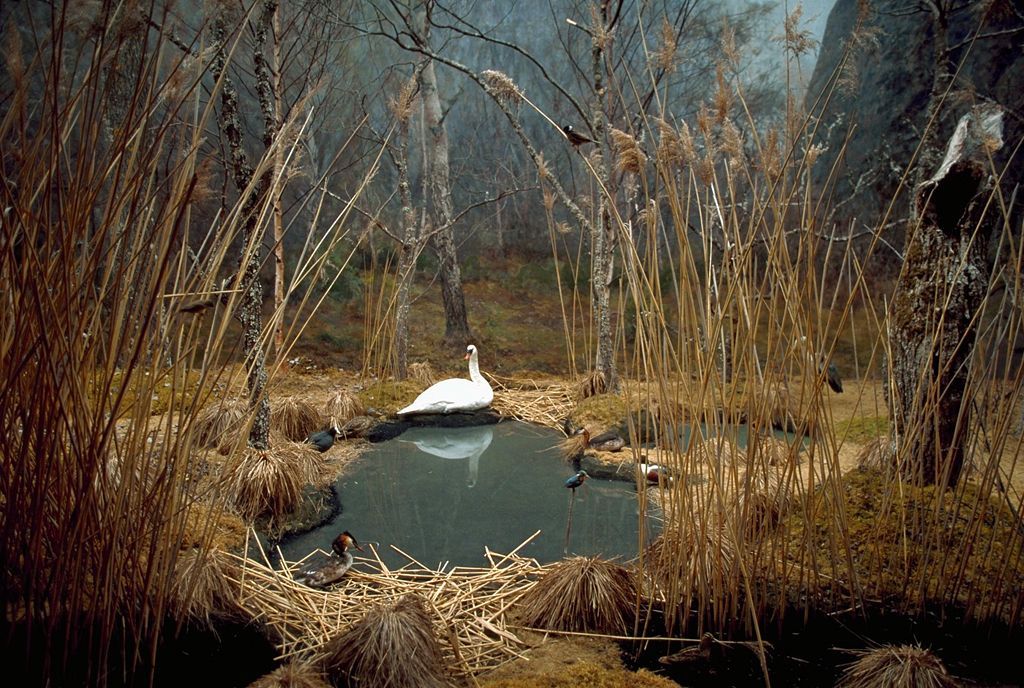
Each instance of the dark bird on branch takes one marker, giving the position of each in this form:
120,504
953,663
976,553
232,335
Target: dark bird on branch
832,377
575,138
577,480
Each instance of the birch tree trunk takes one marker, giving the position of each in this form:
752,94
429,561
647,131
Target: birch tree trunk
938,295
408,253
456,325
249,311
602,234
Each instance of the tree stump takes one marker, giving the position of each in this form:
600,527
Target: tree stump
932,320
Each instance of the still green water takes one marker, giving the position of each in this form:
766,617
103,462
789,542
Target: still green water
444,494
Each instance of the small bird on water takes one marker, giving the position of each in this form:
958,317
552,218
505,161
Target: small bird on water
575,138
324,439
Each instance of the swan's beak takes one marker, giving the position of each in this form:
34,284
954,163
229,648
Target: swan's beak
466,357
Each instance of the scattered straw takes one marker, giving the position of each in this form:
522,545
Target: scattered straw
534,402
423,373
466,606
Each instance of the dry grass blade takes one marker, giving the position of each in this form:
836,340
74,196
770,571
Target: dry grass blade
392,646
581,594
294,674
897,666
294,418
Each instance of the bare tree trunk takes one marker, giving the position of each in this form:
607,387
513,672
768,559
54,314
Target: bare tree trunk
456,325
938,295
407,257
276,207
942,76
249,312
603,235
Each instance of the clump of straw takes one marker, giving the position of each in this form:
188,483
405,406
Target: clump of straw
304,458
592,385
581,594
392,646
201,587
876,454
294,418
343,406
218,423
265,482
294,674
423,373
897,666
572,447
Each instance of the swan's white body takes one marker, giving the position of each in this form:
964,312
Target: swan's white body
455,394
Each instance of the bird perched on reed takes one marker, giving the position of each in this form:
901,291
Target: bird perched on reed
324,439
575,138
576,480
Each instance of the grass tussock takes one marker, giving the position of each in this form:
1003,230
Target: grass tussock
392,646
202,587
581,594
294,674
423,373
897,666
591,385
343,406
221,423
294,418
266,482
311,465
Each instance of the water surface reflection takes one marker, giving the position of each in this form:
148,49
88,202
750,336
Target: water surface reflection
443,494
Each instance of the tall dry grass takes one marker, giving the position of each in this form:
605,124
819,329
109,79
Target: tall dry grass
735,291
107,242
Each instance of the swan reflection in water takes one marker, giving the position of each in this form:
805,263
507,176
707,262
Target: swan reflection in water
453,443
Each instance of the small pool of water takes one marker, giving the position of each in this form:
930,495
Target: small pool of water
443,494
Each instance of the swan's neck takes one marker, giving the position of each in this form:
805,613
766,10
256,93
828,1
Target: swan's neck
474,369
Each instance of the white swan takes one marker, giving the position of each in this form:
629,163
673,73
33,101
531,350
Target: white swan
455,394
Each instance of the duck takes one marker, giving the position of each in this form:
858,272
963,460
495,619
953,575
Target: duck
455,394
654,473
326,572
607,441
324,439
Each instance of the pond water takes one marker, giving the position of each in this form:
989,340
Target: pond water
443,494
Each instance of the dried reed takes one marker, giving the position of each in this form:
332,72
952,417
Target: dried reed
423,373
581,594
392,646
897,666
